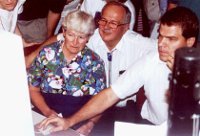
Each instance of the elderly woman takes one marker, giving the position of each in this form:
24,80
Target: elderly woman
67,73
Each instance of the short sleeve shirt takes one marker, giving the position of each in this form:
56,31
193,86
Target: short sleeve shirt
153,73
84,75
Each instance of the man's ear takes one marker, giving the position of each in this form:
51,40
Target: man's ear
191,41
126,27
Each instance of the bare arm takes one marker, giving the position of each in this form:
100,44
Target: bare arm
30,57
88,126
52,20
38,101
96,105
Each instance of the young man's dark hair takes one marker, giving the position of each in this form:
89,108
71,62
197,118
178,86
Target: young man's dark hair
185,18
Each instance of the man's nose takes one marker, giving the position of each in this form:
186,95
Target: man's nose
161,41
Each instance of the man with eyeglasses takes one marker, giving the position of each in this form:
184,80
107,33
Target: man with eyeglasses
118,46
94,7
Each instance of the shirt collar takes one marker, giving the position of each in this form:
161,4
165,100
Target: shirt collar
80,55
118,47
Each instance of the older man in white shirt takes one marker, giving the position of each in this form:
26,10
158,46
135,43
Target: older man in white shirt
118,46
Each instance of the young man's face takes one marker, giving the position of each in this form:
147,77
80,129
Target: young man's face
171,38
8,4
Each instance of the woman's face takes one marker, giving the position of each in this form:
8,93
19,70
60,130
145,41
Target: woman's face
74,41
8,4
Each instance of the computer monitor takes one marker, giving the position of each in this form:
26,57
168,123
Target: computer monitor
15,115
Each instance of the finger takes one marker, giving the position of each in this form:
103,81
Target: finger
41,124
56,128
45,122
169,65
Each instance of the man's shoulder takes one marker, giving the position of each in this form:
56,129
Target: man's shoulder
94,1
96,35
128,3
149,59
91,3
131,36
20,2
95,40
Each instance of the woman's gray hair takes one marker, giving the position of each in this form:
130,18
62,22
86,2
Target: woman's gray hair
79,21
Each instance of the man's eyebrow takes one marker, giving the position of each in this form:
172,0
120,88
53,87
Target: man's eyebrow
169,37
110,20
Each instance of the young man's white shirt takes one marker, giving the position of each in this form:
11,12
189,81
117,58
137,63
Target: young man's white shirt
151,72
93,6
8,19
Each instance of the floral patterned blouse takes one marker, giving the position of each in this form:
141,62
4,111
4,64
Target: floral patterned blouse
85,75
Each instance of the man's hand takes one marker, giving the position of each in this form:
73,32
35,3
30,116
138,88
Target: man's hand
59,124
170,62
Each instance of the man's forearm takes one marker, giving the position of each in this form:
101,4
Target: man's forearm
97,105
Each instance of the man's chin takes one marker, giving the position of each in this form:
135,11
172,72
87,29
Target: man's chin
10,8
163,58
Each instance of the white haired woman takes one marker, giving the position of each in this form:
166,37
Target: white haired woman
67,73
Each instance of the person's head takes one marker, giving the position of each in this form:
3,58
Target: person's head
77,26
114,22
179,27
8,4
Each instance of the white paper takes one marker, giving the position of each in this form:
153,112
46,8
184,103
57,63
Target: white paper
130,129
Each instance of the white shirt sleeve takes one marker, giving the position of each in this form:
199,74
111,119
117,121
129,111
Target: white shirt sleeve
130,81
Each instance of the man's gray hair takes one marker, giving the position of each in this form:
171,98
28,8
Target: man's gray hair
79,21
